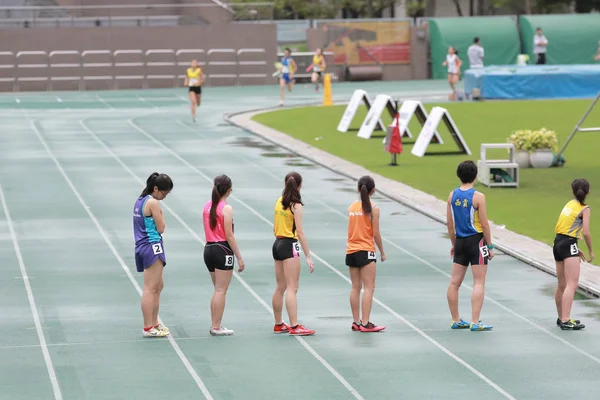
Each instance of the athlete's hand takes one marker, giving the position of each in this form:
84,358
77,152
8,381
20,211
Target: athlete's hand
452,252
241,265
591,257
383,257
311,264
491,254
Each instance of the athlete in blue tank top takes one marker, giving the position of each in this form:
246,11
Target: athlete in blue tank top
148,226
287,70
469,232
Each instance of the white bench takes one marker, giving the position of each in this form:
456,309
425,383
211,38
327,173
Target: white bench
508,166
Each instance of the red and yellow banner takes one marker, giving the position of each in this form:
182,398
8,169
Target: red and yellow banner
368,43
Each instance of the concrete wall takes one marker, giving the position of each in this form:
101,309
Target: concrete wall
225,36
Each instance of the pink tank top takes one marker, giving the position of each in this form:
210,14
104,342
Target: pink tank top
218,234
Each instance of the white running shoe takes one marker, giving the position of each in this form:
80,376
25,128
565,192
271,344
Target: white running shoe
154,333
222,331
162,328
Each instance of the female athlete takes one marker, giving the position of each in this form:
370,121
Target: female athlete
148,227
220,248
573,223
287,70
453,63
363,234
286,253
318,67
471,237
193,80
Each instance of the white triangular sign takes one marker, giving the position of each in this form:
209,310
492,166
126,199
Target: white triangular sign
437,115
357,97
382,102
416,108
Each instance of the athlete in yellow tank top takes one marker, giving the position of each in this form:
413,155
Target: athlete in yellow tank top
194,78
573,224
318,67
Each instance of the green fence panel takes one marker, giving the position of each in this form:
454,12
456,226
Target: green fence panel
499,38
572,38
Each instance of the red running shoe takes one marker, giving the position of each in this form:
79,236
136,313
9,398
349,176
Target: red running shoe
355,327
300,330
283,328
371,327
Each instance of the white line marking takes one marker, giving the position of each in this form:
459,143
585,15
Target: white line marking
59,99
104,102
339,377
18,100
398,316
182,356
32,305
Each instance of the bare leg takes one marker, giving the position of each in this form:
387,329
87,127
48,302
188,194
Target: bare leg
368,277
571,269
151,293
560,289
458,275
217,304
291,270
277,300
355,276
479,272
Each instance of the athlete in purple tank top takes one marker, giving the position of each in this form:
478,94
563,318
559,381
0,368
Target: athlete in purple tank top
148,226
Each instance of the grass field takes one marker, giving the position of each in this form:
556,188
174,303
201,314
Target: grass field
530,210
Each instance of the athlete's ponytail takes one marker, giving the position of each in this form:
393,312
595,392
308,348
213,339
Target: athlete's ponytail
581,188
366,184
222,184
161,181
291,191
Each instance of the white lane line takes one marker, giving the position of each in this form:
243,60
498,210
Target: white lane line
32,305
323,362
176,347
395,314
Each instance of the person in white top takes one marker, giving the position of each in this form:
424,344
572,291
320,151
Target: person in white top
475,53
540,45
453,64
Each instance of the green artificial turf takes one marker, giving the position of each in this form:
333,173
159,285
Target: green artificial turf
531,209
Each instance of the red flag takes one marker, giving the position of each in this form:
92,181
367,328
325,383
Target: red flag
396,142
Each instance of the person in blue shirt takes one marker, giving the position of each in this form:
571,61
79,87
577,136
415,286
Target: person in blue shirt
469,231
286,74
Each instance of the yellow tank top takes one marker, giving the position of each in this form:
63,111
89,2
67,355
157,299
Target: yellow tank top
570,222
194,76
360,229
284,225
317,60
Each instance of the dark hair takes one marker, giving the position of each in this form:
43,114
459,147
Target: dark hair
288,49
291,191
476,40
366,184
581,188
161,181
467,171
222,184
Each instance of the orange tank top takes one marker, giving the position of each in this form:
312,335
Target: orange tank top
360,229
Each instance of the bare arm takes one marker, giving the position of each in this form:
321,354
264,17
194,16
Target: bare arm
157,214
587,236
297,208
295,67
377,233
202,77
228,218
450,220
480,204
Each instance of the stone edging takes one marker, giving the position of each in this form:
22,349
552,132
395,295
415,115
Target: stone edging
526,249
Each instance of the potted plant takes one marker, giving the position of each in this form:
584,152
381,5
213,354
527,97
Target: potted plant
520,139
542,145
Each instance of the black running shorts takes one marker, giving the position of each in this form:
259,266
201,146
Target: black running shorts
565,247
218,255
195,89
360,258
285,248
471,250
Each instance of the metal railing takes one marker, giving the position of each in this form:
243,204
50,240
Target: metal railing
237,66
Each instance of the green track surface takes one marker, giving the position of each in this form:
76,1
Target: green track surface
90,311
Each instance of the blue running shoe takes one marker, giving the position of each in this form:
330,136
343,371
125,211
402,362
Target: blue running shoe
480,326
460,324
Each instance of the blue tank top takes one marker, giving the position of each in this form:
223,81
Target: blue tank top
285,65
144,228
465,216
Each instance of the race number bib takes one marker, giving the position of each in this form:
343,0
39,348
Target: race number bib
193,81
484,251
157,248
229,261
372,255
574,249
296,249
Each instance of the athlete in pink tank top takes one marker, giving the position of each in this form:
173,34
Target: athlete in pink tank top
218,234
